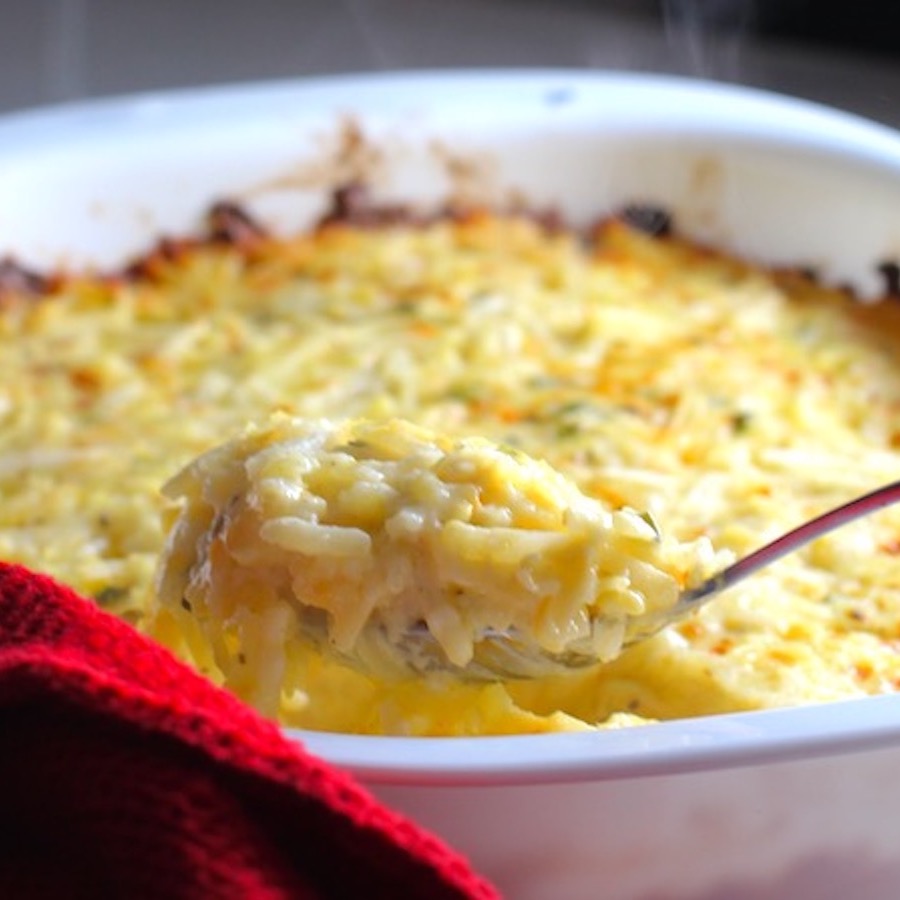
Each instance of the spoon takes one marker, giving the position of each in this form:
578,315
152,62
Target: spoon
502,655
404,552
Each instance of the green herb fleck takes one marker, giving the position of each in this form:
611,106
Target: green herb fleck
573,406
740,422
110,595
462,392
650,519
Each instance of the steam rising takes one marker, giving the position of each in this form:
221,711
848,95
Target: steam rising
707,35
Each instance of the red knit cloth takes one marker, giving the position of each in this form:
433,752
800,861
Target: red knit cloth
125,774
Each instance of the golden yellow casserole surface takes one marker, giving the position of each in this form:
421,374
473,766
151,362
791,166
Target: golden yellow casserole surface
730,402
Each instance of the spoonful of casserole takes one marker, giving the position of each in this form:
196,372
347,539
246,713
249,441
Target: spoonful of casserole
404,552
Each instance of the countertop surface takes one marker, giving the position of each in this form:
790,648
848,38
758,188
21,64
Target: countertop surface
58,51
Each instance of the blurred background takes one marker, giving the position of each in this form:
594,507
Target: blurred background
846,55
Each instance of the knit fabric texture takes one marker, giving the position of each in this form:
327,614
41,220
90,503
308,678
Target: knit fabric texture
123,773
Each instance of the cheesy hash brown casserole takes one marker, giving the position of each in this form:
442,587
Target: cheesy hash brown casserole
729,401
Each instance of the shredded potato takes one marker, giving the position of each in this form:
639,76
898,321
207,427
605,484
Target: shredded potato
728,401
385,525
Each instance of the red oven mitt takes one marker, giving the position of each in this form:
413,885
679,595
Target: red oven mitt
125,774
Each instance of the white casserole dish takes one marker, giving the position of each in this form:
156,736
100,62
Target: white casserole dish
782,804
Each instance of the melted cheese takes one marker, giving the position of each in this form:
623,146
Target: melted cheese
728,401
